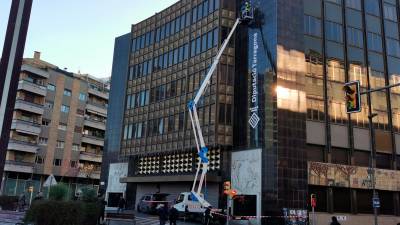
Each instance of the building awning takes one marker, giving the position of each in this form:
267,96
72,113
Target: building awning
166,179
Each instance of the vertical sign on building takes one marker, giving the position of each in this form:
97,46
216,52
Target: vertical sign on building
10,66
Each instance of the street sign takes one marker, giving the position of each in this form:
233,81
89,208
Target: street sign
313,200
376,203
50,181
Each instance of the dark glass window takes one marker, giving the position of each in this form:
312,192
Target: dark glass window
148,38
228,114
387,202
211,6
180,57
193,48
374,42
340,156
355,4
364,199
178,24
361,158
341,198
167,29
315,153
312,26
137,43
194,14
133,101
354,18
215,35
171,123
199,11
187,15
173,27
355,37
391,29
205,8
389,12
157,34
150,66
209,40
333,31
176,54
152,37
161,126
185,51
221,115
204,43
216,4
133,49
383,161
372,7
393,47
162,32
198,45
170,57
128,101
181,121
165,64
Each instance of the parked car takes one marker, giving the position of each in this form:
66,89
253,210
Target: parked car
149,202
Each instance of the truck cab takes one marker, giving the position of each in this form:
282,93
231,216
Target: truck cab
186,204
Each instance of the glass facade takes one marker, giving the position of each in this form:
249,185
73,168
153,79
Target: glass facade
278,87
116,107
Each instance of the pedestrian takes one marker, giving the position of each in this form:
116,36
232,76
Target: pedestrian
121,204
162,213
102,202
207,216
39,196
173,216
334,221
21,202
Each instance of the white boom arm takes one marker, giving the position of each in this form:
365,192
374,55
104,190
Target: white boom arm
201,147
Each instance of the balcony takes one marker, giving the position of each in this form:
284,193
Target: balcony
97,108
19,166
23,146
32,87
98,93
26,127
93,140
92,157
94,175
29,106
35,70
91,122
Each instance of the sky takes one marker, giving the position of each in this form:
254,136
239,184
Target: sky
79,34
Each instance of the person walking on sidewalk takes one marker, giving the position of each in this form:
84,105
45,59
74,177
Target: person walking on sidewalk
162,213
334,221
173,216
121,204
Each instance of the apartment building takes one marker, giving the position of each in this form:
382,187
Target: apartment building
58,129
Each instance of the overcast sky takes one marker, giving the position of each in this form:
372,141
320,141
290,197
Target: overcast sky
79,34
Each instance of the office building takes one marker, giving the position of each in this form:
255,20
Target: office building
275,110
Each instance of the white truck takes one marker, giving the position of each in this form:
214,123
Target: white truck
193,203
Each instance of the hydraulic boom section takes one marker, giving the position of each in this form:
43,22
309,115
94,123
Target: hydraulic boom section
202,150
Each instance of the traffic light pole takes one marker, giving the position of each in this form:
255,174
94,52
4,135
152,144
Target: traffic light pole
372,163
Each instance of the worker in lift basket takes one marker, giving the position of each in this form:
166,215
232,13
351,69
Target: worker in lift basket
246,9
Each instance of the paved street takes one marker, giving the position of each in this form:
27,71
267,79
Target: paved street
145,219
10,217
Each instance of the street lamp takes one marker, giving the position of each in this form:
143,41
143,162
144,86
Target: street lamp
372,164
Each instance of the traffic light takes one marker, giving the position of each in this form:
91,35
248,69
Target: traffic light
352,96
313,200
227,185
